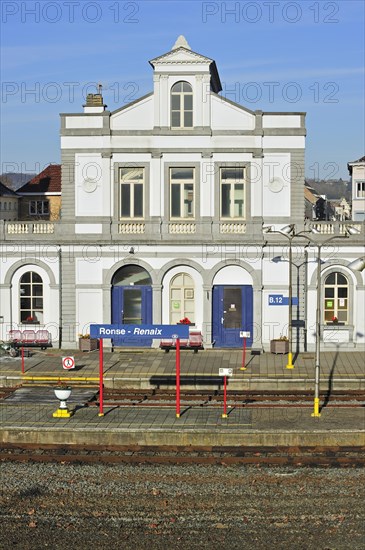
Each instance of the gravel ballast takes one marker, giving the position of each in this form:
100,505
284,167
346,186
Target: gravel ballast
72,506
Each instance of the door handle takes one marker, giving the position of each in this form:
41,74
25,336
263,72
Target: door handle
222,320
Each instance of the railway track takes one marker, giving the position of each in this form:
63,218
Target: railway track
270,456
243,398
214,398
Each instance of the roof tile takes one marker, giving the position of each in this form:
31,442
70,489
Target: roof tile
48,181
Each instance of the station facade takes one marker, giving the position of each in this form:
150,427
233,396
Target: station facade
165,206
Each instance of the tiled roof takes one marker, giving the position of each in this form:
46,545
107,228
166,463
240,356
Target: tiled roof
309,195
349,167
48,181
6,191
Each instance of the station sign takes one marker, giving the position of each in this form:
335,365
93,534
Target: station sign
139,331
225,372
280,300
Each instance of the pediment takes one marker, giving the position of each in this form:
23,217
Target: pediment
180,55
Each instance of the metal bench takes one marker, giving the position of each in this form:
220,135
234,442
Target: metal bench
30,338
194,342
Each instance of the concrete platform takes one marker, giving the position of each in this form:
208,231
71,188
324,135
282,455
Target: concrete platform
29,423
26,421
156,369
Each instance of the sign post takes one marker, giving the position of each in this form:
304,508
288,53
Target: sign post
244,335
139,331
178,378
225,373
23,369
101,378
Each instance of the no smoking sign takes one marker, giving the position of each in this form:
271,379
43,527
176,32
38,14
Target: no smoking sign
68,363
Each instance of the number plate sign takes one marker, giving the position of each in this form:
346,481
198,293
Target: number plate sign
225,372
280,300
245,334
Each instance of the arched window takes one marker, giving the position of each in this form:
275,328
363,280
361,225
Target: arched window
336,295
182,303
181,105
131,275
31,298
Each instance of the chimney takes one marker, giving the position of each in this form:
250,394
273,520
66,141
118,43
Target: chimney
94,102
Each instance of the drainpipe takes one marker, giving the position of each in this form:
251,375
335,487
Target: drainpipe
59,297
305,299
11,306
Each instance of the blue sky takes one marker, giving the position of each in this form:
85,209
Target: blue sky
271,55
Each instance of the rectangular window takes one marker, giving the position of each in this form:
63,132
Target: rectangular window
38,208
360,189
182,193
131,192
232,193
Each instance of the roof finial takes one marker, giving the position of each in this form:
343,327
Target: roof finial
181,42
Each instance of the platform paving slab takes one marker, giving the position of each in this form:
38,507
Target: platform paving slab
287,426
154,368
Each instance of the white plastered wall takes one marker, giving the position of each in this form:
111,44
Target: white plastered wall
138,116
276,172
226,116
275,318
89,176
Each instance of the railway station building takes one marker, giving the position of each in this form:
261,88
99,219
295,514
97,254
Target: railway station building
184,205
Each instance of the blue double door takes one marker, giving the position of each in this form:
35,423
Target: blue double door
132,305
232,313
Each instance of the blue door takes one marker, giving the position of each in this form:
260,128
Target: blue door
232,312
132,305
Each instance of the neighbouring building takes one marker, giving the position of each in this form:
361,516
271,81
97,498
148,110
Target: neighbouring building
341,208
166,203
40,198
9,200
356,170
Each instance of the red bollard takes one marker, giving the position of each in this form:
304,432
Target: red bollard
244,355
244,334
101,368
23,369
177,377
224,415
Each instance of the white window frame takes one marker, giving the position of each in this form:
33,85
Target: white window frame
35,312
33,204
232,182
360,189
182,111
132,182
336,286
186,299
182,182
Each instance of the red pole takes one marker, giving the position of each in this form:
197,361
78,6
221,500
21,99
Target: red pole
23,369
224,415
101,367
177,377
244,355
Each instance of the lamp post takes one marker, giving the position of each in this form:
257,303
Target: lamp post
289,232
356,265
278,259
